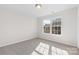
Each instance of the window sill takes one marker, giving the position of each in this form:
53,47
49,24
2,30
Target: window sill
51,34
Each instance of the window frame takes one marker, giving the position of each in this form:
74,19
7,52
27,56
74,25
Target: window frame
51,26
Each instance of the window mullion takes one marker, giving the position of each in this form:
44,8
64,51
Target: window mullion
50,27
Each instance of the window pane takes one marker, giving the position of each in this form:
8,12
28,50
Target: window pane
56,26
46,26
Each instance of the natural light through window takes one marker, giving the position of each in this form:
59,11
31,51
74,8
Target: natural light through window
46,22
52,26
34,53
43,49
57,51
46,26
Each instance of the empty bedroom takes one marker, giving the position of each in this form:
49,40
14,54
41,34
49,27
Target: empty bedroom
39,29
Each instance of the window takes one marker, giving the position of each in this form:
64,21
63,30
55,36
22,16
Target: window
53,26
46,26
56,26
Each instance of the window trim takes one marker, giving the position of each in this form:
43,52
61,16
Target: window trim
51,27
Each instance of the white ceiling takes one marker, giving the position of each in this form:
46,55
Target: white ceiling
30,10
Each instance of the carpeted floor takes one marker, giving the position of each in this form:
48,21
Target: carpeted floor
38,47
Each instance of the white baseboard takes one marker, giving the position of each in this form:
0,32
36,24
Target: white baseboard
63,42
16,41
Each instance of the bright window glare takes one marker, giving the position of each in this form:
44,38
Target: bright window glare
46,22
57,51
34,53
43,48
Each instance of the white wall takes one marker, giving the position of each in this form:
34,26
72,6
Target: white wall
15,27
78,28
68,31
